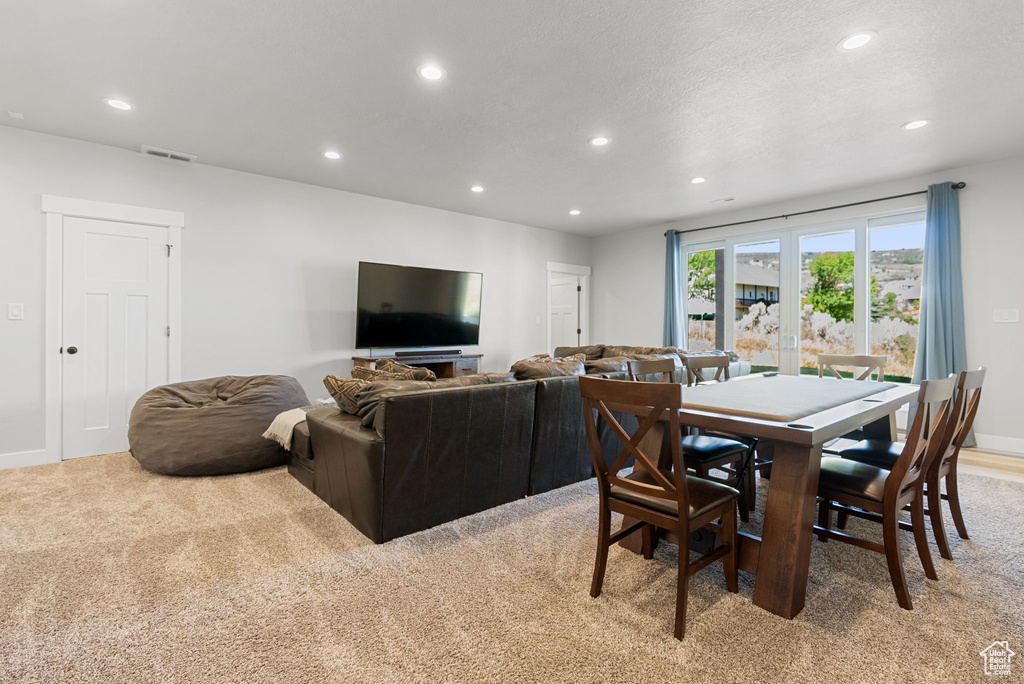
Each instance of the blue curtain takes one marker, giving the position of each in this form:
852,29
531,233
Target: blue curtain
675,307
941,346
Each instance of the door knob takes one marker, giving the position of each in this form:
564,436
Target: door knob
72,350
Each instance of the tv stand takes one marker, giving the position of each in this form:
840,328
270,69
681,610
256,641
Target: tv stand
444,365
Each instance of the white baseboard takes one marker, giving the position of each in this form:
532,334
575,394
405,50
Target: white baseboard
22,459
1010,446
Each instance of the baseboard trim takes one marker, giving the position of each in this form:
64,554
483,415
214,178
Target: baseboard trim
22,459
995,444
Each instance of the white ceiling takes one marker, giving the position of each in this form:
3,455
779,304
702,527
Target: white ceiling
753,96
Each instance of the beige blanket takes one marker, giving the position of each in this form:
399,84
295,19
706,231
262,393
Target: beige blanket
284,423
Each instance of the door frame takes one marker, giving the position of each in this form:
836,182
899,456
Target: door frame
56,209
570,269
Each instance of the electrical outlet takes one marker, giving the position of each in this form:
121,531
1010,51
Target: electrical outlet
16,312
1006,315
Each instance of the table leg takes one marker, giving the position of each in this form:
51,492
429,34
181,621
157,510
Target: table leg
883,429
785,551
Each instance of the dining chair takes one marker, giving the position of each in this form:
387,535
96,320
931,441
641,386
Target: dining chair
696,363
860,367
657,498
641,367
944,459
864,364
718,450
880,494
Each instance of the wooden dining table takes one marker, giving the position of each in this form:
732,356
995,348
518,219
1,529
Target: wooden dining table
793,417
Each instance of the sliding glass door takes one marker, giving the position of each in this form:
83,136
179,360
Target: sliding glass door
778,300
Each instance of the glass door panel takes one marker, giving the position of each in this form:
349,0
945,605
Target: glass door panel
756,309
826,297
897,264
704,325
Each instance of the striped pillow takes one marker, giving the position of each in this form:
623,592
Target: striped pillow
410,372
344,391
361,373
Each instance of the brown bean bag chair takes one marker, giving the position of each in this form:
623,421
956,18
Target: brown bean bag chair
213,426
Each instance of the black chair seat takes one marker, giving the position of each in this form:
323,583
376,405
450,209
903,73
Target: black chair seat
844,476
876,452
705,448
704,495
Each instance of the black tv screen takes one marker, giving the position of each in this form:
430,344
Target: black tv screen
406,306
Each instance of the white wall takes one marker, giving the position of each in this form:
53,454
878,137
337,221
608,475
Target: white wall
629,278
269,267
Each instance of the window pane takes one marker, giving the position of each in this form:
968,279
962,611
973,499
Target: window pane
757,305
826,297
702,300
897,263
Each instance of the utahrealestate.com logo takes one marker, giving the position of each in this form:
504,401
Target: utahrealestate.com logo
997,658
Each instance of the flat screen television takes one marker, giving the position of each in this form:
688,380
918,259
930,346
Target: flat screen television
407,306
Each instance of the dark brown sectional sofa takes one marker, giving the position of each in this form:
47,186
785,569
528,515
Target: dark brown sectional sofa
442,454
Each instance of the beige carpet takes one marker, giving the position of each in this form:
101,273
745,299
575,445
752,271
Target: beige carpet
113,574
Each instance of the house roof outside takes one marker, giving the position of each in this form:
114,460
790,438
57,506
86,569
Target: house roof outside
760,276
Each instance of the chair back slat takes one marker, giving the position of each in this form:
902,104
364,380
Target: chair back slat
933,400
862,366
963,413
697,362
641,367
659,404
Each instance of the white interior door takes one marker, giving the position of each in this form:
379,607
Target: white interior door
565,310
114,329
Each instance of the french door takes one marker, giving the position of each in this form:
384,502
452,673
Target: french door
779,299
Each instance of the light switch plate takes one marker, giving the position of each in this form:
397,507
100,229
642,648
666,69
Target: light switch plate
1006,315
16,312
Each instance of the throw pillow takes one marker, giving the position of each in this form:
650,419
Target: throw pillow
410,372
612,364
631,352
592,352
530,369
344,391
374,375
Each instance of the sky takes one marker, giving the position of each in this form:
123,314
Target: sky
895,237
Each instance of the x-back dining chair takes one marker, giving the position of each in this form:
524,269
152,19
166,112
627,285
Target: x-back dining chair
944,459
656,498
880,494
733,454
640,367
861,366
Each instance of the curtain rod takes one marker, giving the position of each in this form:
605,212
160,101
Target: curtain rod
956,186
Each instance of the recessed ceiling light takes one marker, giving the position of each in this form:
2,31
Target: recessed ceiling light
120,104
16,115
598,141
432,72
857,40
331,154
911,125
477,188
697,180
574,212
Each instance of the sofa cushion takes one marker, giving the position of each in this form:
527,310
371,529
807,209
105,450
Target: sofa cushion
548,368
410,372
593,351
374,375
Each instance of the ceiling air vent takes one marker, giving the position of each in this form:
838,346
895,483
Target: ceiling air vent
167,154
